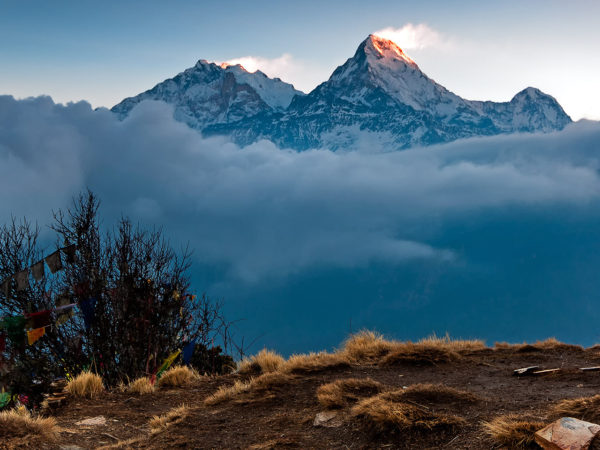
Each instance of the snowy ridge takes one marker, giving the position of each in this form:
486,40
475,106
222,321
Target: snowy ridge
209,93
379,95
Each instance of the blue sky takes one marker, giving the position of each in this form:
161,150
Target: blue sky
104,51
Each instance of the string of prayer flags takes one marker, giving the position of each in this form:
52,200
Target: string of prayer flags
88,308
54,262
64,309
37,270
167,363
34,335
63,300
188,352
22,279
70,253
38,319
6,287
65,306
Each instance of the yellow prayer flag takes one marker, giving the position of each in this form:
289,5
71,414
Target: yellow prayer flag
165,365
64,317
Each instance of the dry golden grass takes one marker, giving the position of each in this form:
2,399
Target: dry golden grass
435,393
140,386
340,393
178,376
127,443
369,347
314,362
419,354
383,414
513,431
175,415
255,389
86,384
366,346
583,408
454,345
265,361
18,423
550,344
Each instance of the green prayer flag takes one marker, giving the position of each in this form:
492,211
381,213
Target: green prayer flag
4,399
15,329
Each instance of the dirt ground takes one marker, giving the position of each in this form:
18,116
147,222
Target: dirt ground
284,417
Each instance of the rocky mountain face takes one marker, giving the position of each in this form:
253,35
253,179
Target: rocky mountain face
379,96
208,94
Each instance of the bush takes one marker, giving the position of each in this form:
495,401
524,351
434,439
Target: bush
211,360
133,298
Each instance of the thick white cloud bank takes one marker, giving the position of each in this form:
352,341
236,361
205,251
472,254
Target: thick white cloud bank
491,237
261,211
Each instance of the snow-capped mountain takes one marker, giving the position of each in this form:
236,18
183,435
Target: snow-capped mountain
209,93
379,95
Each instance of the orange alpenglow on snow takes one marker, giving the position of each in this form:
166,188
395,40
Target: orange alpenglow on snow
385,46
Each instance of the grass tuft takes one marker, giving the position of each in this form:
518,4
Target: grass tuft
255,389
265,361
550,344
140,386
161,423
583,408
178,376
366,346
85,385
383,413
419,354
436,393
314,362
513,431
454,345
19,423
340,393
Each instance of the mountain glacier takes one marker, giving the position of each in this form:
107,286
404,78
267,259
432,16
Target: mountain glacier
379,94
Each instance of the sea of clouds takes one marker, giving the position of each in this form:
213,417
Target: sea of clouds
261,219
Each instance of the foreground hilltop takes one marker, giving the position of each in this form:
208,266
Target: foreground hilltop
379,94
371,393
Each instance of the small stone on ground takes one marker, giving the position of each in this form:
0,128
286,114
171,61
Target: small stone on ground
94,421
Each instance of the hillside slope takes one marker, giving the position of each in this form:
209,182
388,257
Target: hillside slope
432,394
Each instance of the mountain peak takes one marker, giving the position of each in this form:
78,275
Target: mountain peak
379,94
384,48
